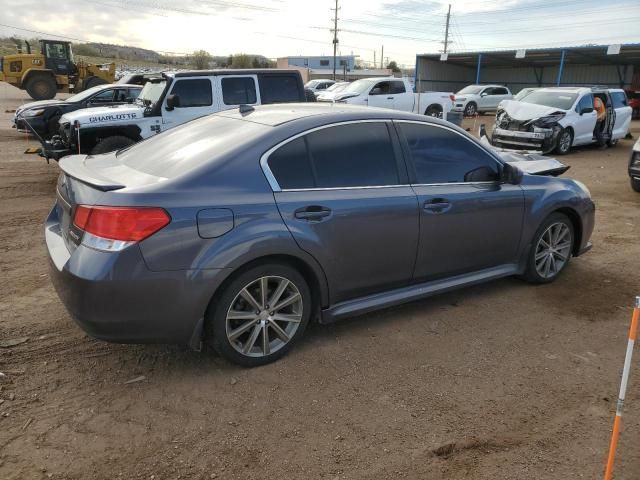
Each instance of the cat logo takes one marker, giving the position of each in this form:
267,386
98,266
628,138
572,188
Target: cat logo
36,61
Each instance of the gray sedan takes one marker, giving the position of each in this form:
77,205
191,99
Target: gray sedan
239,228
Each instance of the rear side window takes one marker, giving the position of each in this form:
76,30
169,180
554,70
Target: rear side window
279,89
194,92
619,99
353,155
291,166
398,87
442,156
499,91
238,90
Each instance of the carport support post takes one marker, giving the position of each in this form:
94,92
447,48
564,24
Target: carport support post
478,68
564,52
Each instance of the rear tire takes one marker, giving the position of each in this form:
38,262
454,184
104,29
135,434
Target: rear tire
111,144
93,82
434,111
309,96
551,249
41,87
635,185
235,325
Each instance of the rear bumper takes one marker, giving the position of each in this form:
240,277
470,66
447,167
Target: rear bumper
113,296
543,139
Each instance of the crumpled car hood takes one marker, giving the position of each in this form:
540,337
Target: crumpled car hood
522,111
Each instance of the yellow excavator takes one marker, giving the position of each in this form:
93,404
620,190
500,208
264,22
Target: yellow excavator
52,70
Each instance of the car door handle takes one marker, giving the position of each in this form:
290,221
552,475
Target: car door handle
389,98
437,205
312,213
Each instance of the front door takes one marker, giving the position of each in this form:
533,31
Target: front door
195,100
469,220
381,95
585,123
345,200
58,57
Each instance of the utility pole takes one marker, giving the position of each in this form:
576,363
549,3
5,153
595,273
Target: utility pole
446,30
382,57
335,37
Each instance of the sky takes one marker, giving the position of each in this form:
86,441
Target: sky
278,28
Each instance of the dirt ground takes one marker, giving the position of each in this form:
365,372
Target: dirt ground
522,379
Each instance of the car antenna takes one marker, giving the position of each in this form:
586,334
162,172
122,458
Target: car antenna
245,108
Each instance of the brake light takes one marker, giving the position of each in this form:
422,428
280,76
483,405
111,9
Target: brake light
125,224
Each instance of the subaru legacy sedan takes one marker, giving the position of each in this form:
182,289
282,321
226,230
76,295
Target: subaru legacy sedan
237,229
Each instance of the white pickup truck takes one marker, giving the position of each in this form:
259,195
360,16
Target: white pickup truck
393,93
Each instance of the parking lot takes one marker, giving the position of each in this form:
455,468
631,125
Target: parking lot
501,381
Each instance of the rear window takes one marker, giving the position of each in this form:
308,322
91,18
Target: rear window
188,146
279,89
194,92
561,100
238,90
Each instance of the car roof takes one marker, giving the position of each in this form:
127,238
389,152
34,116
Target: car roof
239,71
323,112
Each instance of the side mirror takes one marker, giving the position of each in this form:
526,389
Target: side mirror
173,101
511,174
586,110
376,91
484,94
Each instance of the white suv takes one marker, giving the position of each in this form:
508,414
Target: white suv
319,85
558,118
480,98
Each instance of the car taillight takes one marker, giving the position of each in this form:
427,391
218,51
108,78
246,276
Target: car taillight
119,226
452,97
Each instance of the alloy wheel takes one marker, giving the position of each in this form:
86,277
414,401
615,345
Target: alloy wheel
264,316
565,142
553,250
470,110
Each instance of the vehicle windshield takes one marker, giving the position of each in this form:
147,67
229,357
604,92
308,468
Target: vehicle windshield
359,86
561,100
523,93
150,93
470,90
312,83
79,97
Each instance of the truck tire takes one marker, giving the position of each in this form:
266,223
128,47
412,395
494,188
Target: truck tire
111,144
434,110
41,87
92,82
309,96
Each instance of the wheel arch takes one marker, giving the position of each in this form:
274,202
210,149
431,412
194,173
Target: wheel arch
576,221
31,72
89,137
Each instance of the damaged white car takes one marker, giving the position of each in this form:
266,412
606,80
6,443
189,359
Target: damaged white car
556,119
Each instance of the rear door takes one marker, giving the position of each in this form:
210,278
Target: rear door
469,220
381,95
402,100
236,90
342,192
623,114
196,100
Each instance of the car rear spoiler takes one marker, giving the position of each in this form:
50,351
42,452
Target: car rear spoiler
75,167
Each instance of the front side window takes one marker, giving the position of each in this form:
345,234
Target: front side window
102,97
440,155
238,91
193,92
353,155
381,88
585,102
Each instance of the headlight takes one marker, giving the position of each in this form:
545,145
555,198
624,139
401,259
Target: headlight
548,120
33,113
635,160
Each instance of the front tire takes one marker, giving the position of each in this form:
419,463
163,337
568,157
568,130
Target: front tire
259,315
41,87
635,185
471,109
565,140
110,144
551,249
